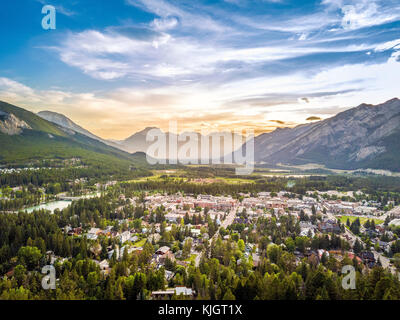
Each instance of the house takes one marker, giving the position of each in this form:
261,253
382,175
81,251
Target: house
163,253
380,229
107,231
167,294
95,231
371,233
133,239
352,255
75,231
256,260
184,291
111,253
154,237
329,227
368,258
168,255
163,250
104,265
173,217
91,236
305,232
306,225
195,232
162,294
182,263
124,236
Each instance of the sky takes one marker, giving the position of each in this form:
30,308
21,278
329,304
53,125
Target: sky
116,67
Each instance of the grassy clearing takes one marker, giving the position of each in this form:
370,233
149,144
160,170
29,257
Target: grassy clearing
363,220
160,174
140,243
233,180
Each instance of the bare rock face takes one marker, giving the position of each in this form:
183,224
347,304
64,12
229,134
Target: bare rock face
11,125
366,152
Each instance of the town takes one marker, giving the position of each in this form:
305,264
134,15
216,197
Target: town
163,245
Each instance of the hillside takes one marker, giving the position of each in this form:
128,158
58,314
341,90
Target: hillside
25,137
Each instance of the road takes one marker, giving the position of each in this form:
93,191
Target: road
384,261
224,224
229,219
395,211
232,214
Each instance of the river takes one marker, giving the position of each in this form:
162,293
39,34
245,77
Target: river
59,204
51,206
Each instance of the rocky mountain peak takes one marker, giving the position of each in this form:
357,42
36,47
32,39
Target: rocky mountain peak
11,125
356,138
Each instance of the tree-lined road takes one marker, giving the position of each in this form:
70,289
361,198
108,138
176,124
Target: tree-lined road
384,261
224,224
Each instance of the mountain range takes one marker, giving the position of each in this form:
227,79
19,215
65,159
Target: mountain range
367,136
137,142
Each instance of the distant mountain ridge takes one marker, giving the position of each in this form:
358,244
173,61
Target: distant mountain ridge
137,142
367,136
67,123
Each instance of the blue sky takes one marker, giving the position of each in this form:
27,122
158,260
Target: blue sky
118,66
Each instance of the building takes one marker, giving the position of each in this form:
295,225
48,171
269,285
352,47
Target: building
124,236
328,227
163,250
195,232
167,294
368,258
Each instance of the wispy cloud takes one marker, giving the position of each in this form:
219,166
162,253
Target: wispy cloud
59,8
364,13
233,63
189,16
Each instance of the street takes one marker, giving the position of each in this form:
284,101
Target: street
384,261
228,221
